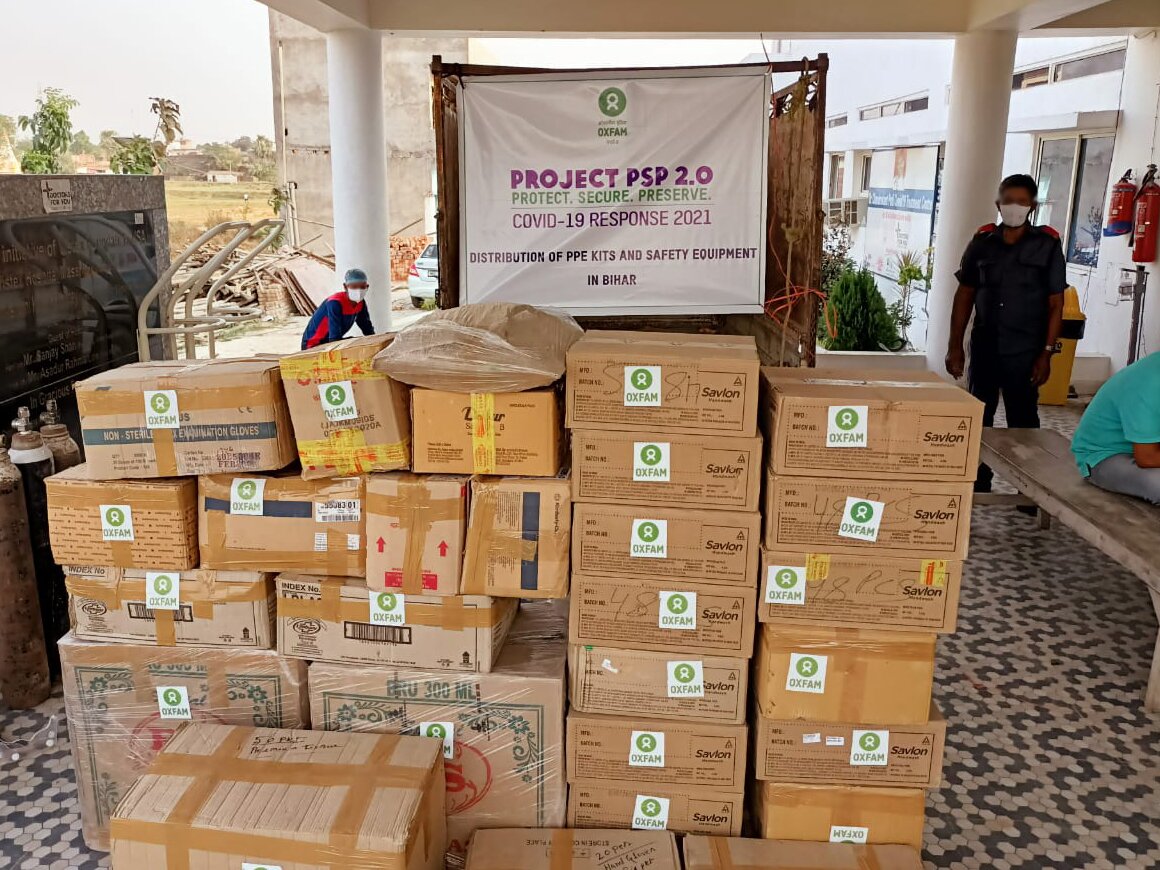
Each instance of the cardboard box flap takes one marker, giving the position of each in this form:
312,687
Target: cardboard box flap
735,853
566,849
360,346
210,787
791,374
204,371
663,347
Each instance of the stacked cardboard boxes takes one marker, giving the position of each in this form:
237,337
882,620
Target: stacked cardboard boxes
666,479
867,516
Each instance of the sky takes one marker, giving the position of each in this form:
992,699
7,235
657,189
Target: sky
211,56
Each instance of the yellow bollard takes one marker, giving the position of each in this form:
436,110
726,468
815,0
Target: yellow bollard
1055,391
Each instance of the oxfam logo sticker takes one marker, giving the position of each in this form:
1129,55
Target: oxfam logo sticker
161,591
173,702
646,749
650,813
846,426
785,584
248,866
849,834
677,610
649,539
116,522
686,679
869,748
651,461
444,731
247,496
861,519
388,608
806,673
247,489
642,386
612,102
337,400
161,409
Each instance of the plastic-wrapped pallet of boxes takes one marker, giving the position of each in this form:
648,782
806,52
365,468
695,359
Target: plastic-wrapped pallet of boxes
666,474
867,518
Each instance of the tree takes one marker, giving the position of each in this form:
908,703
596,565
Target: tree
168,121
862,321
135,155
82,144
243,143
107,143
51,128
225,157
7,128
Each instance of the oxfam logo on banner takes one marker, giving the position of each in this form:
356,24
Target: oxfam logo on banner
806,673
388,608
642,386
612,102
785,584
861,519
678,610
338,401
116,522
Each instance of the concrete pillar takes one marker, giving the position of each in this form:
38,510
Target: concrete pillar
358,159
973,162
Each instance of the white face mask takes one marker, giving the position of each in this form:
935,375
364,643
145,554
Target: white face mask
1013,214
355,295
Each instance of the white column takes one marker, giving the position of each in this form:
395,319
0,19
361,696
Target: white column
358,163
973,161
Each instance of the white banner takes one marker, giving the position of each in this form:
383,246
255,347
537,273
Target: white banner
900,213
607,192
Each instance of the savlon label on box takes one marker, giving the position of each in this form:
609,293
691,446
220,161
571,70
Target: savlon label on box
785,584
646,749
869,748
861,519
173,702
807,673
337,399
650,539
846,426
161,410
650,461
116,522
162,591
247,496
388,608
686,679
849,834
650,813
444,731
678,610
642,386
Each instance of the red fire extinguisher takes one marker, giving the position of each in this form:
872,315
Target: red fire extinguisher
1147,218
1120,206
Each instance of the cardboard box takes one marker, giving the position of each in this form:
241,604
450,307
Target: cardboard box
636,683
797,750
504,849
348,418
626,612
839,814
721,853
337,619
843,674
214,608
638,541
171,418
519,538
283,523
217,798
625,750
836,515
860,591
664,382
849,425
654,806
149,524
416,525
115,717
655,468
504,730
487,433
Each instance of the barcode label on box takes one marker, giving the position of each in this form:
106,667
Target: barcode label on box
347,510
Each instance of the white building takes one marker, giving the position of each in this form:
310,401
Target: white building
885,139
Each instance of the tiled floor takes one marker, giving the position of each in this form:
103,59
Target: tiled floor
1051,760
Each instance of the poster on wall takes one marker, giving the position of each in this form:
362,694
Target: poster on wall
900,212
615,192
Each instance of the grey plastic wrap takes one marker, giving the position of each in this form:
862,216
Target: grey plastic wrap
490,347
503,731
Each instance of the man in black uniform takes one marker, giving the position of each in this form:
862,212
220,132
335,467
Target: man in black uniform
1013,276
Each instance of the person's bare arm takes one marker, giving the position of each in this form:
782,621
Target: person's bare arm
1146,455
960,317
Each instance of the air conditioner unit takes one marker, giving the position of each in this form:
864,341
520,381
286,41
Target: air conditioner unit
847,212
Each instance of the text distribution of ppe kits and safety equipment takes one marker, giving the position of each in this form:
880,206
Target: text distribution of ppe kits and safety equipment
591,193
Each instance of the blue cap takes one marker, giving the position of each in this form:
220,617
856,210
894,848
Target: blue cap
355,276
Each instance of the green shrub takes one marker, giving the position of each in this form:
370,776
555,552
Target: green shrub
863,321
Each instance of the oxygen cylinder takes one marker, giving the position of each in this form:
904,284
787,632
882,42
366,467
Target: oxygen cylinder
24,673
65,451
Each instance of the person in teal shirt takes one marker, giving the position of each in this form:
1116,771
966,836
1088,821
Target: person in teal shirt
1117,442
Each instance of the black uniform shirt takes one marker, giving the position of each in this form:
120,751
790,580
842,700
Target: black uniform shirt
1012,285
